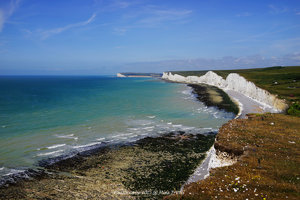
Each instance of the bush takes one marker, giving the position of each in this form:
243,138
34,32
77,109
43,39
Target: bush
294,109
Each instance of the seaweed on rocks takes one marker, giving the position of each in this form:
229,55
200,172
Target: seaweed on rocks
213,96
149,168
178,154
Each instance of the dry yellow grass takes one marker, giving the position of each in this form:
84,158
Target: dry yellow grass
268,167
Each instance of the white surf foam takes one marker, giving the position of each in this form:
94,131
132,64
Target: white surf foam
151,117
50,153
13,171
149,127
56,146
86,145
70,136
177,125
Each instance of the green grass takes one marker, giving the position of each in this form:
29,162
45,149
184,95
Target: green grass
294,109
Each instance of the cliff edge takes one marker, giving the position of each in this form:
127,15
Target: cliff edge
233,82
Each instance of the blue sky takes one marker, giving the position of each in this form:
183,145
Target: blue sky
108,36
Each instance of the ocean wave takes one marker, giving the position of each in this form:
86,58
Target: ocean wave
177,125
134,129
100,139
149,127
188,93
86,145
151,117
13,171
56,146
50,153
70,136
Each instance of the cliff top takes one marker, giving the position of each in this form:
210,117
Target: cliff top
268,149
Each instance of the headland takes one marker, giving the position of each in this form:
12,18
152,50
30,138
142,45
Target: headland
242,164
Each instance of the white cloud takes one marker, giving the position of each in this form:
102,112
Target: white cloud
152,16
155,16
112,5
277,10
47,33
6,12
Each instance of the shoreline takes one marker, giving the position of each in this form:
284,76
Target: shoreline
214,159
246,105
145,168
63,169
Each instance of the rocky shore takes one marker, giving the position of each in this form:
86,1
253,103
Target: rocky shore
147,169
150,168
213,96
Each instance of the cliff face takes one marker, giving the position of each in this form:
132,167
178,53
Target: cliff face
233,82
120,75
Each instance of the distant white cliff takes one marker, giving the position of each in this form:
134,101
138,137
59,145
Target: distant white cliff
233,82
120,75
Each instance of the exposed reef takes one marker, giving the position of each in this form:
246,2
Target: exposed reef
147,169
213,96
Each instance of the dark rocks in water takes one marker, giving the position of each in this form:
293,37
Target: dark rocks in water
15,178
180,154
204,94
148,168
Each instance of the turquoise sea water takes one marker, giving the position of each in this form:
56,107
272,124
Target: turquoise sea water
44,117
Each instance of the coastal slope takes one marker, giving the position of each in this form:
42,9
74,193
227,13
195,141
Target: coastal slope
267,151
237,87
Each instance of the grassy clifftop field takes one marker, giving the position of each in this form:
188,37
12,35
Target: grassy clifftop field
268,153
283,81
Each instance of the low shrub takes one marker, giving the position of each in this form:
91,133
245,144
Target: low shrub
294,109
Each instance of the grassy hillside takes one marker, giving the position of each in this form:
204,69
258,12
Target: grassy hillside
268,164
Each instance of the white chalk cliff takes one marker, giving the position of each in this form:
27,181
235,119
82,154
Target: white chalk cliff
120,75
233,82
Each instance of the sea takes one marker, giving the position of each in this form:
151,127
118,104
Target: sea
46,117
